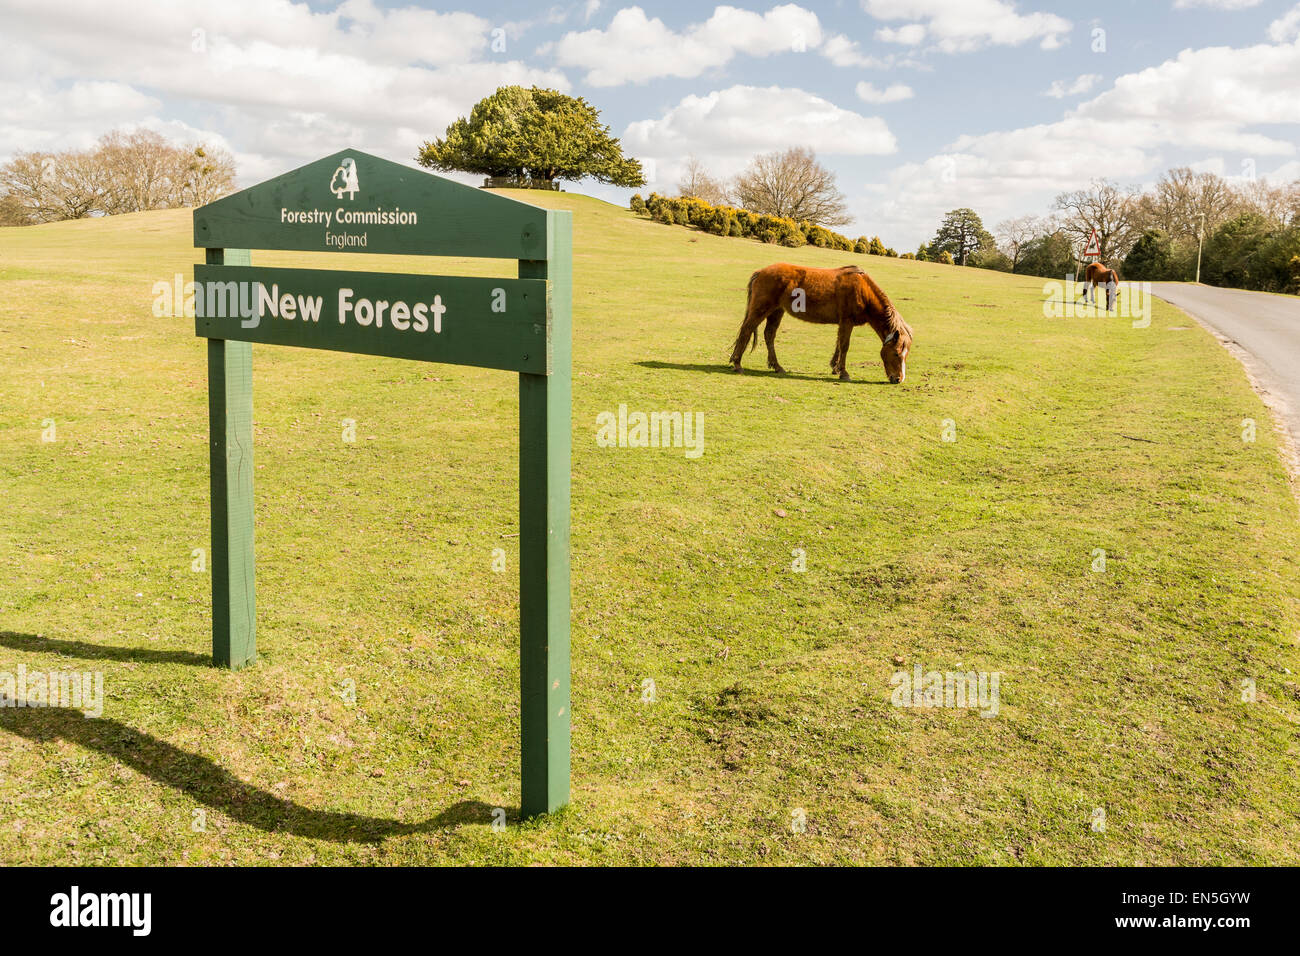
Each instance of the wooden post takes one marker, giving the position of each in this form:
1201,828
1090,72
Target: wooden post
545,439
230,433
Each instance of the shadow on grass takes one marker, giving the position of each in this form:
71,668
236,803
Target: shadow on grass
724,369
212,785
99,652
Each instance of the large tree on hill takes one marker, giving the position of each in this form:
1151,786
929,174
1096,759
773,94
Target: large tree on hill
961,233
793,185
533,135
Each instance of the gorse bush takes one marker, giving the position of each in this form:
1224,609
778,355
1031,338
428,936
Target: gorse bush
742,223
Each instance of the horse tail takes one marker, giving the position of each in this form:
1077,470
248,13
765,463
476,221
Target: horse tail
749,298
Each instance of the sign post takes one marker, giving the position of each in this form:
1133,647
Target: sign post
354,202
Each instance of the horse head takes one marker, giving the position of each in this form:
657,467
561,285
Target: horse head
873,307
893,351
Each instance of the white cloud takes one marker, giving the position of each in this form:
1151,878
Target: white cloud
1215,98
721,129
894,93
283,81
1217,4
1285,27
1076,87
958,26
842,51
909,35
635,48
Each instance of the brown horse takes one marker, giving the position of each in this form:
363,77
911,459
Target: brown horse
844,297
1097,274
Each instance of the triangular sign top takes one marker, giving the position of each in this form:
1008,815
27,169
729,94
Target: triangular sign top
351,201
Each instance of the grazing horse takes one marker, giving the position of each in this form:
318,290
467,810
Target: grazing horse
1096,274
844,297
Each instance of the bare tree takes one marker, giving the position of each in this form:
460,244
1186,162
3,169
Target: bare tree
1180,197
794,185
1104,207
55,186
201,174
137,167
123,173
698,184
28,182
1278,204
13,212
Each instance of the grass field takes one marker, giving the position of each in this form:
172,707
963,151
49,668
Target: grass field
1121,690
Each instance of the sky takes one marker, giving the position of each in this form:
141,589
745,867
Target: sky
918,106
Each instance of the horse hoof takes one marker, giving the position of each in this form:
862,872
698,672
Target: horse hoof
844,376
779,370
735,368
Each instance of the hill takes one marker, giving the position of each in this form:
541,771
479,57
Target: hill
720,696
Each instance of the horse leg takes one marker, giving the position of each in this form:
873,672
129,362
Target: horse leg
842,349
748,329
769,336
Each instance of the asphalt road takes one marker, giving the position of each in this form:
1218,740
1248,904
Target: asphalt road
1267,329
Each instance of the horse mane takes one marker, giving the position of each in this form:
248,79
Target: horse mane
893,321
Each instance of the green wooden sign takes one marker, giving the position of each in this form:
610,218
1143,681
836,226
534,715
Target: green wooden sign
491,323
354,202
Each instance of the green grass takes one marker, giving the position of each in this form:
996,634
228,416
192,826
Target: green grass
1119,690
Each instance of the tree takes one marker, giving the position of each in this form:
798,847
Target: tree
137,168
57,186
13,212
145,171
961,233
533,135
1274,270
792,185
1278,204
1105,208
1178,200
1231,251
991,257
1014,234
1050,256
696,183
1151,258
201,174
124,172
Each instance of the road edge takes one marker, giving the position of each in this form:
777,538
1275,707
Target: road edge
1277,405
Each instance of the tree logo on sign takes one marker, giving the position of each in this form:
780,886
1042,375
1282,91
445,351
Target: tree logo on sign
345,179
